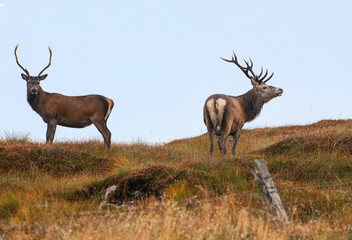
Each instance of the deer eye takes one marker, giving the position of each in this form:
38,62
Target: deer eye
265,87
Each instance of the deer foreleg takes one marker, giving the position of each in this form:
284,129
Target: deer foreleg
50,132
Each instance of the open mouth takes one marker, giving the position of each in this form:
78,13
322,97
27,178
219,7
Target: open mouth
279,94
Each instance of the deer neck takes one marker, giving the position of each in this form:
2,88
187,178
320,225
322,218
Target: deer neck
251,104
36,101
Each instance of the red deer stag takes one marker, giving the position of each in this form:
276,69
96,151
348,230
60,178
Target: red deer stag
225,115
56,109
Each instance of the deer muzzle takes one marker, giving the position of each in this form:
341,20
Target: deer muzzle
279,92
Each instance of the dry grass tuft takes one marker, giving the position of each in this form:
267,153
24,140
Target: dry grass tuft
8,205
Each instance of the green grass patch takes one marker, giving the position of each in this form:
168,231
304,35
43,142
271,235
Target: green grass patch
8,205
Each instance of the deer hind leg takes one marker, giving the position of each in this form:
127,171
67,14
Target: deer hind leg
50,132
222,144
211,140
236,136
103,129
223,138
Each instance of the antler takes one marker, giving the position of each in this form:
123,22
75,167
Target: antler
25,70
48,64
255,79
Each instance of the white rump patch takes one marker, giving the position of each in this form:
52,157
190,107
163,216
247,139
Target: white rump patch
212,111
220,106
216,112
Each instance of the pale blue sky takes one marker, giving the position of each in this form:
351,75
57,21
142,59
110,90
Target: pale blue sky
160,60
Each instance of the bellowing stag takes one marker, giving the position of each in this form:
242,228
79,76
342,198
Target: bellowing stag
56,109
225,115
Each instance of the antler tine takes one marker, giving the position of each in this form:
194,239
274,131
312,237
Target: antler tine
250,68
251,62
269,78
261,72
234,54
266,73
24,69
48,64
231,61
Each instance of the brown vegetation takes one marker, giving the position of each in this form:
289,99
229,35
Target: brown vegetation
54,192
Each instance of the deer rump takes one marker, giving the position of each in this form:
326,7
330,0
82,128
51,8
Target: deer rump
222,111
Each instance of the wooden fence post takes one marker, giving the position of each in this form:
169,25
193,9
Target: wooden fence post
268,191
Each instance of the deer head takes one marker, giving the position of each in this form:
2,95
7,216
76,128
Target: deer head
33,82
260,88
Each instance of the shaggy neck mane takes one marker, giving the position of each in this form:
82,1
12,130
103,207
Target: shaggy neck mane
34,100
251,104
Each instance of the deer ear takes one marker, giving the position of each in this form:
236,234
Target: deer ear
24,76
42,77
253,82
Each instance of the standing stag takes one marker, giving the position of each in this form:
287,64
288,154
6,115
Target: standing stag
56,109
225,115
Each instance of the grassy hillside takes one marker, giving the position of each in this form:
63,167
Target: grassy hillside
174,191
